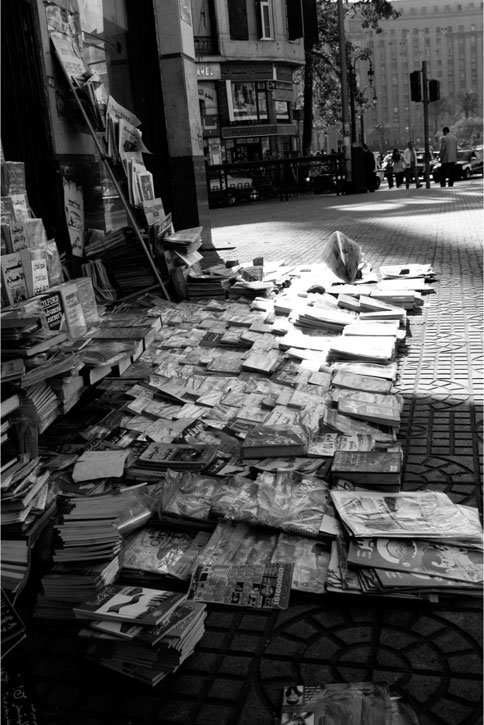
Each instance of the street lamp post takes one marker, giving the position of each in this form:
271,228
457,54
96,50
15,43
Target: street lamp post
359,96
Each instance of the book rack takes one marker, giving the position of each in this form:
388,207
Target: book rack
105,159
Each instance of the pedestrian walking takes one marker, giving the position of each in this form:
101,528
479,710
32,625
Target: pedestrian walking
369,165
448,157
411,171
397,169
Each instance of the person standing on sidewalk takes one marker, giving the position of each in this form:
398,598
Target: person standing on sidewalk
448,157
411,171
369,165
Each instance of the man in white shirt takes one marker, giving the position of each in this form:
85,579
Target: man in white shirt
411,171
448,157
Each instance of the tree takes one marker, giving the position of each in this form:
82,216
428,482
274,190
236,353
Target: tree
468,131
468,102
381,132
437,109
322,85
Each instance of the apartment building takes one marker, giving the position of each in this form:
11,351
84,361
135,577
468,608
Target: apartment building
447,35
246,54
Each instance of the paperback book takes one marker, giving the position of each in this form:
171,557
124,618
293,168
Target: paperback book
137,605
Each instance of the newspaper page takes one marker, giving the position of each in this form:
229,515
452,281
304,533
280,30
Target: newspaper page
261,586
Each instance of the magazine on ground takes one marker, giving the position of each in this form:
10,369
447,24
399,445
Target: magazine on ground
418,556
138,605
264,586
416,514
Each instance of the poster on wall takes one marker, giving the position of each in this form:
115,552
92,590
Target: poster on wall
74,209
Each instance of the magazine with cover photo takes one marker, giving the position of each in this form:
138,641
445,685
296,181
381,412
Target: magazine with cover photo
262,586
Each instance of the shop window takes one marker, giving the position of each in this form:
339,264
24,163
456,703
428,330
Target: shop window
282,110
248,102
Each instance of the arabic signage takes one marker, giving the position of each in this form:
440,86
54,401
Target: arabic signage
268,129
281,90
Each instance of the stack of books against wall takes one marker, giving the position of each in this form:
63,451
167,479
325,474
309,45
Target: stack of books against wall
143,633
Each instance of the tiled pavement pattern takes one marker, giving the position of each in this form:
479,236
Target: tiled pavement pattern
431,654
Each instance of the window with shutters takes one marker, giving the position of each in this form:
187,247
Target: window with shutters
238,24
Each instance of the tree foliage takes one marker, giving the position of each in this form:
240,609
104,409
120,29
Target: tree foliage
322,84
468,102
468,131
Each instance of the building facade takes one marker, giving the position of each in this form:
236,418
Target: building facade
447,35
246,54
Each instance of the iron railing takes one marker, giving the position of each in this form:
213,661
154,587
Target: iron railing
272,178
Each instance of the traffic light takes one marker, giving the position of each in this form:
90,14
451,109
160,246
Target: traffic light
434,90
415,86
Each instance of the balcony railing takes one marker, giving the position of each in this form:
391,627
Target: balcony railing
204,45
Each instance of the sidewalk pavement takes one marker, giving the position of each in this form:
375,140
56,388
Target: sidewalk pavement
431,654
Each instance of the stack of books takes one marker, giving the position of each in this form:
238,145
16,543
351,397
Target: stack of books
410,544
69,583
143,633
28,505
159,457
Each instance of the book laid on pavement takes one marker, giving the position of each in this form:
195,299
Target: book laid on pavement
355,702
420,557
164,552
373,407
264,586
327,444
367,468
355,381
178,456
137,605
414,514
175,626
268,441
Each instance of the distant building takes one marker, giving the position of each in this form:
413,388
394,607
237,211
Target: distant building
444,33
246,53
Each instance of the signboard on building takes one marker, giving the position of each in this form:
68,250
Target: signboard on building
268,129
208,71
281,90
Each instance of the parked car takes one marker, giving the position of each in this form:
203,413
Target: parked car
469,163
421,161
228,189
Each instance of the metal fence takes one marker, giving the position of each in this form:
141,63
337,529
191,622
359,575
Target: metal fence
248,181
